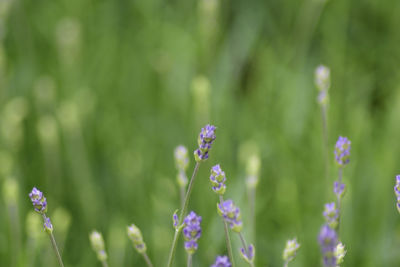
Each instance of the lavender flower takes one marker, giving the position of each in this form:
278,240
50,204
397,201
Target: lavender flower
248,255
331,214
97,242
328,241
205,140
342,151
290,251
340,252
397,191
175,219
48,227
192,231
218,179
339,189
181,162
221,261
137,239
231,214
322,77
38,201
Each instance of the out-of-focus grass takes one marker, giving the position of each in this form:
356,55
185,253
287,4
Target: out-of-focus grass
95,95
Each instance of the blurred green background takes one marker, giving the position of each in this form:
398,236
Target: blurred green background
95,95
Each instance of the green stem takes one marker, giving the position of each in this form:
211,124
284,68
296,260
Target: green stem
147,259
104,263
182,213
189,260
227,238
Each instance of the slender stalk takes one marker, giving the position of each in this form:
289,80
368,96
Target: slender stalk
54,244
340,175
252,211
189,260
182,194
147,259
227,238
182,213
104,263
325,137
245,247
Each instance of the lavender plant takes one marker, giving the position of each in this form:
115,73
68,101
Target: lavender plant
181,163
205,141
221,261
290,251
191,232
231,214
39,203
340,252
397,192
218,179
328,240
135,235
97,242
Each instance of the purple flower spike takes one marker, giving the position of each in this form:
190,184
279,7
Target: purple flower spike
222,261
218,179
397,192
192,231
342,151
328,241
175,219
249,256
339,189
331,215
205,140
38,200
231,214
48,227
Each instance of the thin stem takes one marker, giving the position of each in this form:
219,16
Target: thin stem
183,211
54,244
227,238
189,260
147,259
182,194
252,210
325,137
340,176
104,263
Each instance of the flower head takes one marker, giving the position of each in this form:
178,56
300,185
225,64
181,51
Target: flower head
97,242
322,78
231,214
397,191
342,151
253,169
339,189
38,200
328,241
175,219
48,227
340,252
205,140
249,254
331,214
221,261
181,157
137,239
218,179
191,231
290,250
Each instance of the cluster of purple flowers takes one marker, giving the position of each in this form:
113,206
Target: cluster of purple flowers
328,241
331,214
38,200
221,261
205,140
342,151
218,179
192,231
397,192
231,214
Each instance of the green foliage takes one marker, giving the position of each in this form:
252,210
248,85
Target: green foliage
95,95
